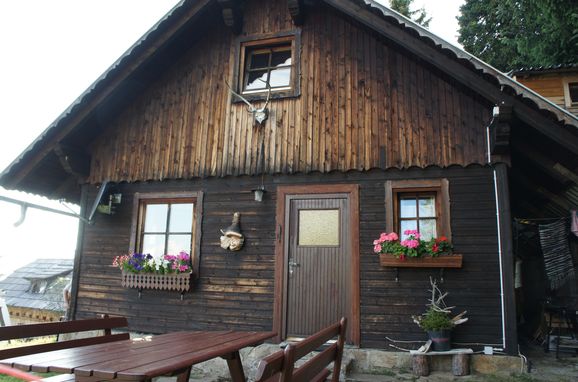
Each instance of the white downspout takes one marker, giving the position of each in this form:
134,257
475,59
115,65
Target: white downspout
495,114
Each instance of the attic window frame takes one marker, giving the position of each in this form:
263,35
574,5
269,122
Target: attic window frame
246,43
568,102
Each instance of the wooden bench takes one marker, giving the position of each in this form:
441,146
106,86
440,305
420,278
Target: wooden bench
460,361
280,366
18,332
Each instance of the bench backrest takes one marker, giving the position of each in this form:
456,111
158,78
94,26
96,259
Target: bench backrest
280,366
56,328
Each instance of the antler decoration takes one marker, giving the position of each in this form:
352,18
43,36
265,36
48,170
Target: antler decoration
260,114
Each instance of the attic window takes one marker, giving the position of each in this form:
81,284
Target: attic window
269,60
271,64
38,286
571,91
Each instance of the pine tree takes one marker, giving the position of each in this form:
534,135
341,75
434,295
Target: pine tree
403,6
510,34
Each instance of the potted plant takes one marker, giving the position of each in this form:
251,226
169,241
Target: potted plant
437,320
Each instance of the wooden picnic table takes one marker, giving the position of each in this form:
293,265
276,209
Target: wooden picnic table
145,358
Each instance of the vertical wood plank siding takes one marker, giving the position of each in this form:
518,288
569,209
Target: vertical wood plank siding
235,289
364,103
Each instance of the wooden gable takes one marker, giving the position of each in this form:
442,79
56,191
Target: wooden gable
365,103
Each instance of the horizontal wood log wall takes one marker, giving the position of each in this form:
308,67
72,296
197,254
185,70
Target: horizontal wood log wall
235,290
364,103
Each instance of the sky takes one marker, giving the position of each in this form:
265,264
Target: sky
52,51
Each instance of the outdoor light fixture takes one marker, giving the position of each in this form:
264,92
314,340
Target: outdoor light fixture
259,192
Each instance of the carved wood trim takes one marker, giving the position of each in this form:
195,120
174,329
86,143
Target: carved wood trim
296,11
174,281
233,14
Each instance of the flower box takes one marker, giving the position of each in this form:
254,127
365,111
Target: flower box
442,261
170,281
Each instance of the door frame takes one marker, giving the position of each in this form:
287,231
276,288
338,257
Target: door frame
352,191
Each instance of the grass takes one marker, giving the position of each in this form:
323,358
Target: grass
7,378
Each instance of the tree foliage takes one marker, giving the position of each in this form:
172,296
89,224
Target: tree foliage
403,6
510,34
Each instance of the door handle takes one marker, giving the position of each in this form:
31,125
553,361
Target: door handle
293,264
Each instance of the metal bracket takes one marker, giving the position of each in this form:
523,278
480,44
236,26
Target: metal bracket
396,274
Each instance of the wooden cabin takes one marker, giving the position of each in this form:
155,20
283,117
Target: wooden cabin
34,293
366,109
558,84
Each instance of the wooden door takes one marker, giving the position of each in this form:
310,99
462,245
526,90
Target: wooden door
317,262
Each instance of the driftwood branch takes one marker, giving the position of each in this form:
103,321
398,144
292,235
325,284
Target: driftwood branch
437,303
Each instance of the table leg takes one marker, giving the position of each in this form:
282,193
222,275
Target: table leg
184,375
235,367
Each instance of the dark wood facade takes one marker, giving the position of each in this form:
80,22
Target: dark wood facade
236,290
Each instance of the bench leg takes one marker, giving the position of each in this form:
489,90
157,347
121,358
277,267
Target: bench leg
461,364
235,367
420,365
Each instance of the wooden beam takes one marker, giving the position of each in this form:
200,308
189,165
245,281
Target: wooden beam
73,160
552,198
571,175
453,68
233,14
539,160
500,132
83,111
296,10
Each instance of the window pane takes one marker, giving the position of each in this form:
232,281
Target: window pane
573,87
407,207
156,218
280,77
281,58
427,228
178,243
154,245
256,80
405,225
427,207
319,227
181,218
259,60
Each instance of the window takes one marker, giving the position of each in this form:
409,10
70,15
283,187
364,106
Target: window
571,91
417,211
167,223
168,227
272,60
267,65
319,227
421,205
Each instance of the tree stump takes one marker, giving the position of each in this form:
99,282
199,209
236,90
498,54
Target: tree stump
420,365
461,364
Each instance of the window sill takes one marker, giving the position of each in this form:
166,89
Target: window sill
444,261
177,281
